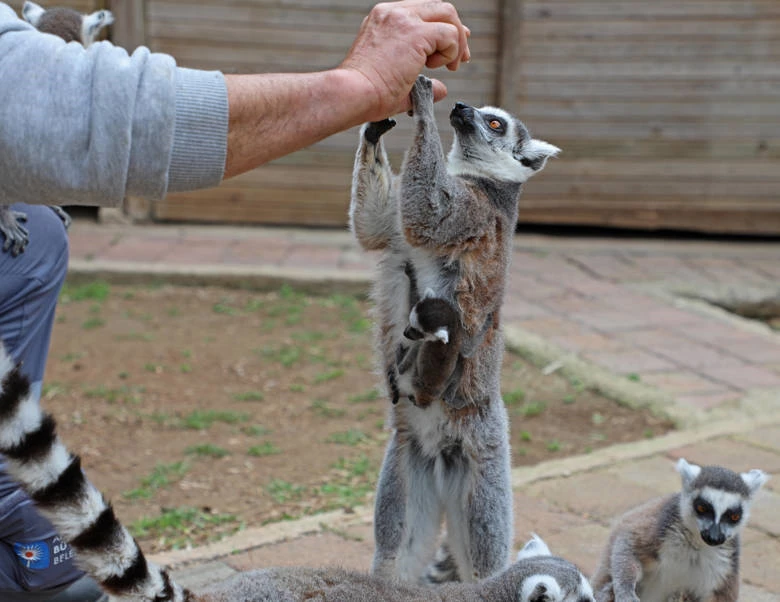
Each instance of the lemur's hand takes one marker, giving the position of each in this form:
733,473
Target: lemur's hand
422,97
374,130
16,236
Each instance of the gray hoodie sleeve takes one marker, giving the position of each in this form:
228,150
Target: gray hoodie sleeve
91,126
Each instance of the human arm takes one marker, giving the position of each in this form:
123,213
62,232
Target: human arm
274,114
90,126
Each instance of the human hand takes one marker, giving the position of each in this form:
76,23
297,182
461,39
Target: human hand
398,39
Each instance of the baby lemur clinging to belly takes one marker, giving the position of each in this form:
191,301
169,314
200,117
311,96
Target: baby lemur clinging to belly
444,227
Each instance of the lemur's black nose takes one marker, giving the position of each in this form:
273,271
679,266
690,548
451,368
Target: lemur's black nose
460,105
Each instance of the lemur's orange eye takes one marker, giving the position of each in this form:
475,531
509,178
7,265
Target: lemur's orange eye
734,517
701,508
495,124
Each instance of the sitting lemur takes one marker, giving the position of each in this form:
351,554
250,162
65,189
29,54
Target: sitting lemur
71,26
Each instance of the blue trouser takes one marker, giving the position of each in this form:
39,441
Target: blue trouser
33,561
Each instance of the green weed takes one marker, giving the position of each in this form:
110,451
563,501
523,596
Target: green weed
284,491
321,408
207,450
249,396
266,448
203,419
350,437
161,476
91,291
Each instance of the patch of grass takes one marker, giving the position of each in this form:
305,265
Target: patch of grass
633,376
525,436
514,397
207,450
350,313
111,395
350,437
179,527
308,336
154,368
72,357
135,336
297,388
173,312
597,419
532,408
203,419
283,491
553,446
329,375
53,389
185,368
351,482
91,291
286,355
223,308
161,476
256,430
93,323
321,408
365,397
266,448
249,396
569,399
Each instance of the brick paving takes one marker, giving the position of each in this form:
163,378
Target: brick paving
621,305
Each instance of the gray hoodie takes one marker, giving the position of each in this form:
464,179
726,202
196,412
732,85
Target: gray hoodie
91,126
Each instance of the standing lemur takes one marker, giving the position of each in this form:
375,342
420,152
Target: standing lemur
53,478
71,26
683,545
444,227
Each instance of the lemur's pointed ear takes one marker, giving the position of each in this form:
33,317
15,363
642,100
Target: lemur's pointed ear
539,148
534,547
32,13
688,472
754,480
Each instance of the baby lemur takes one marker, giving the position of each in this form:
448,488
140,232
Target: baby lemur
71,26
55,481
444,227
683,545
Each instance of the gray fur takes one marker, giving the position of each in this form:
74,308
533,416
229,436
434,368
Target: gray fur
71,26
684,545
453,222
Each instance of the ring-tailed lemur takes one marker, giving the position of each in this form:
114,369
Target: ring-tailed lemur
447,226
54,480
71,26
685,544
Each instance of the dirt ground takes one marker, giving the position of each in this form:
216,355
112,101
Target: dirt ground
200,410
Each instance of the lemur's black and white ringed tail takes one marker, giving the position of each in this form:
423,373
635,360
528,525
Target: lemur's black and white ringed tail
53,478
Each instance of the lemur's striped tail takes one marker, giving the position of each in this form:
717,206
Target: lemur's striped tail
52,477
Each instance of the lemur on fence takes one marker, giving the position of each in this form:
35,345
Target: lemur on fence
71,26
444,228
55,481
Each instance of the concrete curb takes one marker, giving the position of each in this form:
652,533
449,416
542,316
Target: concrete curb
262,278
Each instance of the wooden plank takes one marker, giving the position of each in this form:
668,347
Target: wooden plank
657,9
661,31
726,221
129,28
641,109
507,85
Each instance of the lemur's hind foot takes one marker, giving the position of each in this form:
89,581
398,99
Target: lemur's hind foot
375,129
16,236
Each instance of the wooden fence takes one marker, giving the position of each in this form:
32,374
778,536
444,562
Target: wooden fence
667,111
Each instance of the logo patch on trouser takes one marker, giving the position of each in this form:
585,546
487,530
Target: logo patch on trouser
34,555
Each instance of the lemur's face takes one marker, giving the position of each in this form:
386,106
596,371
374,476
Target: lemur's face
717,514
489,142
550,577
715,501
